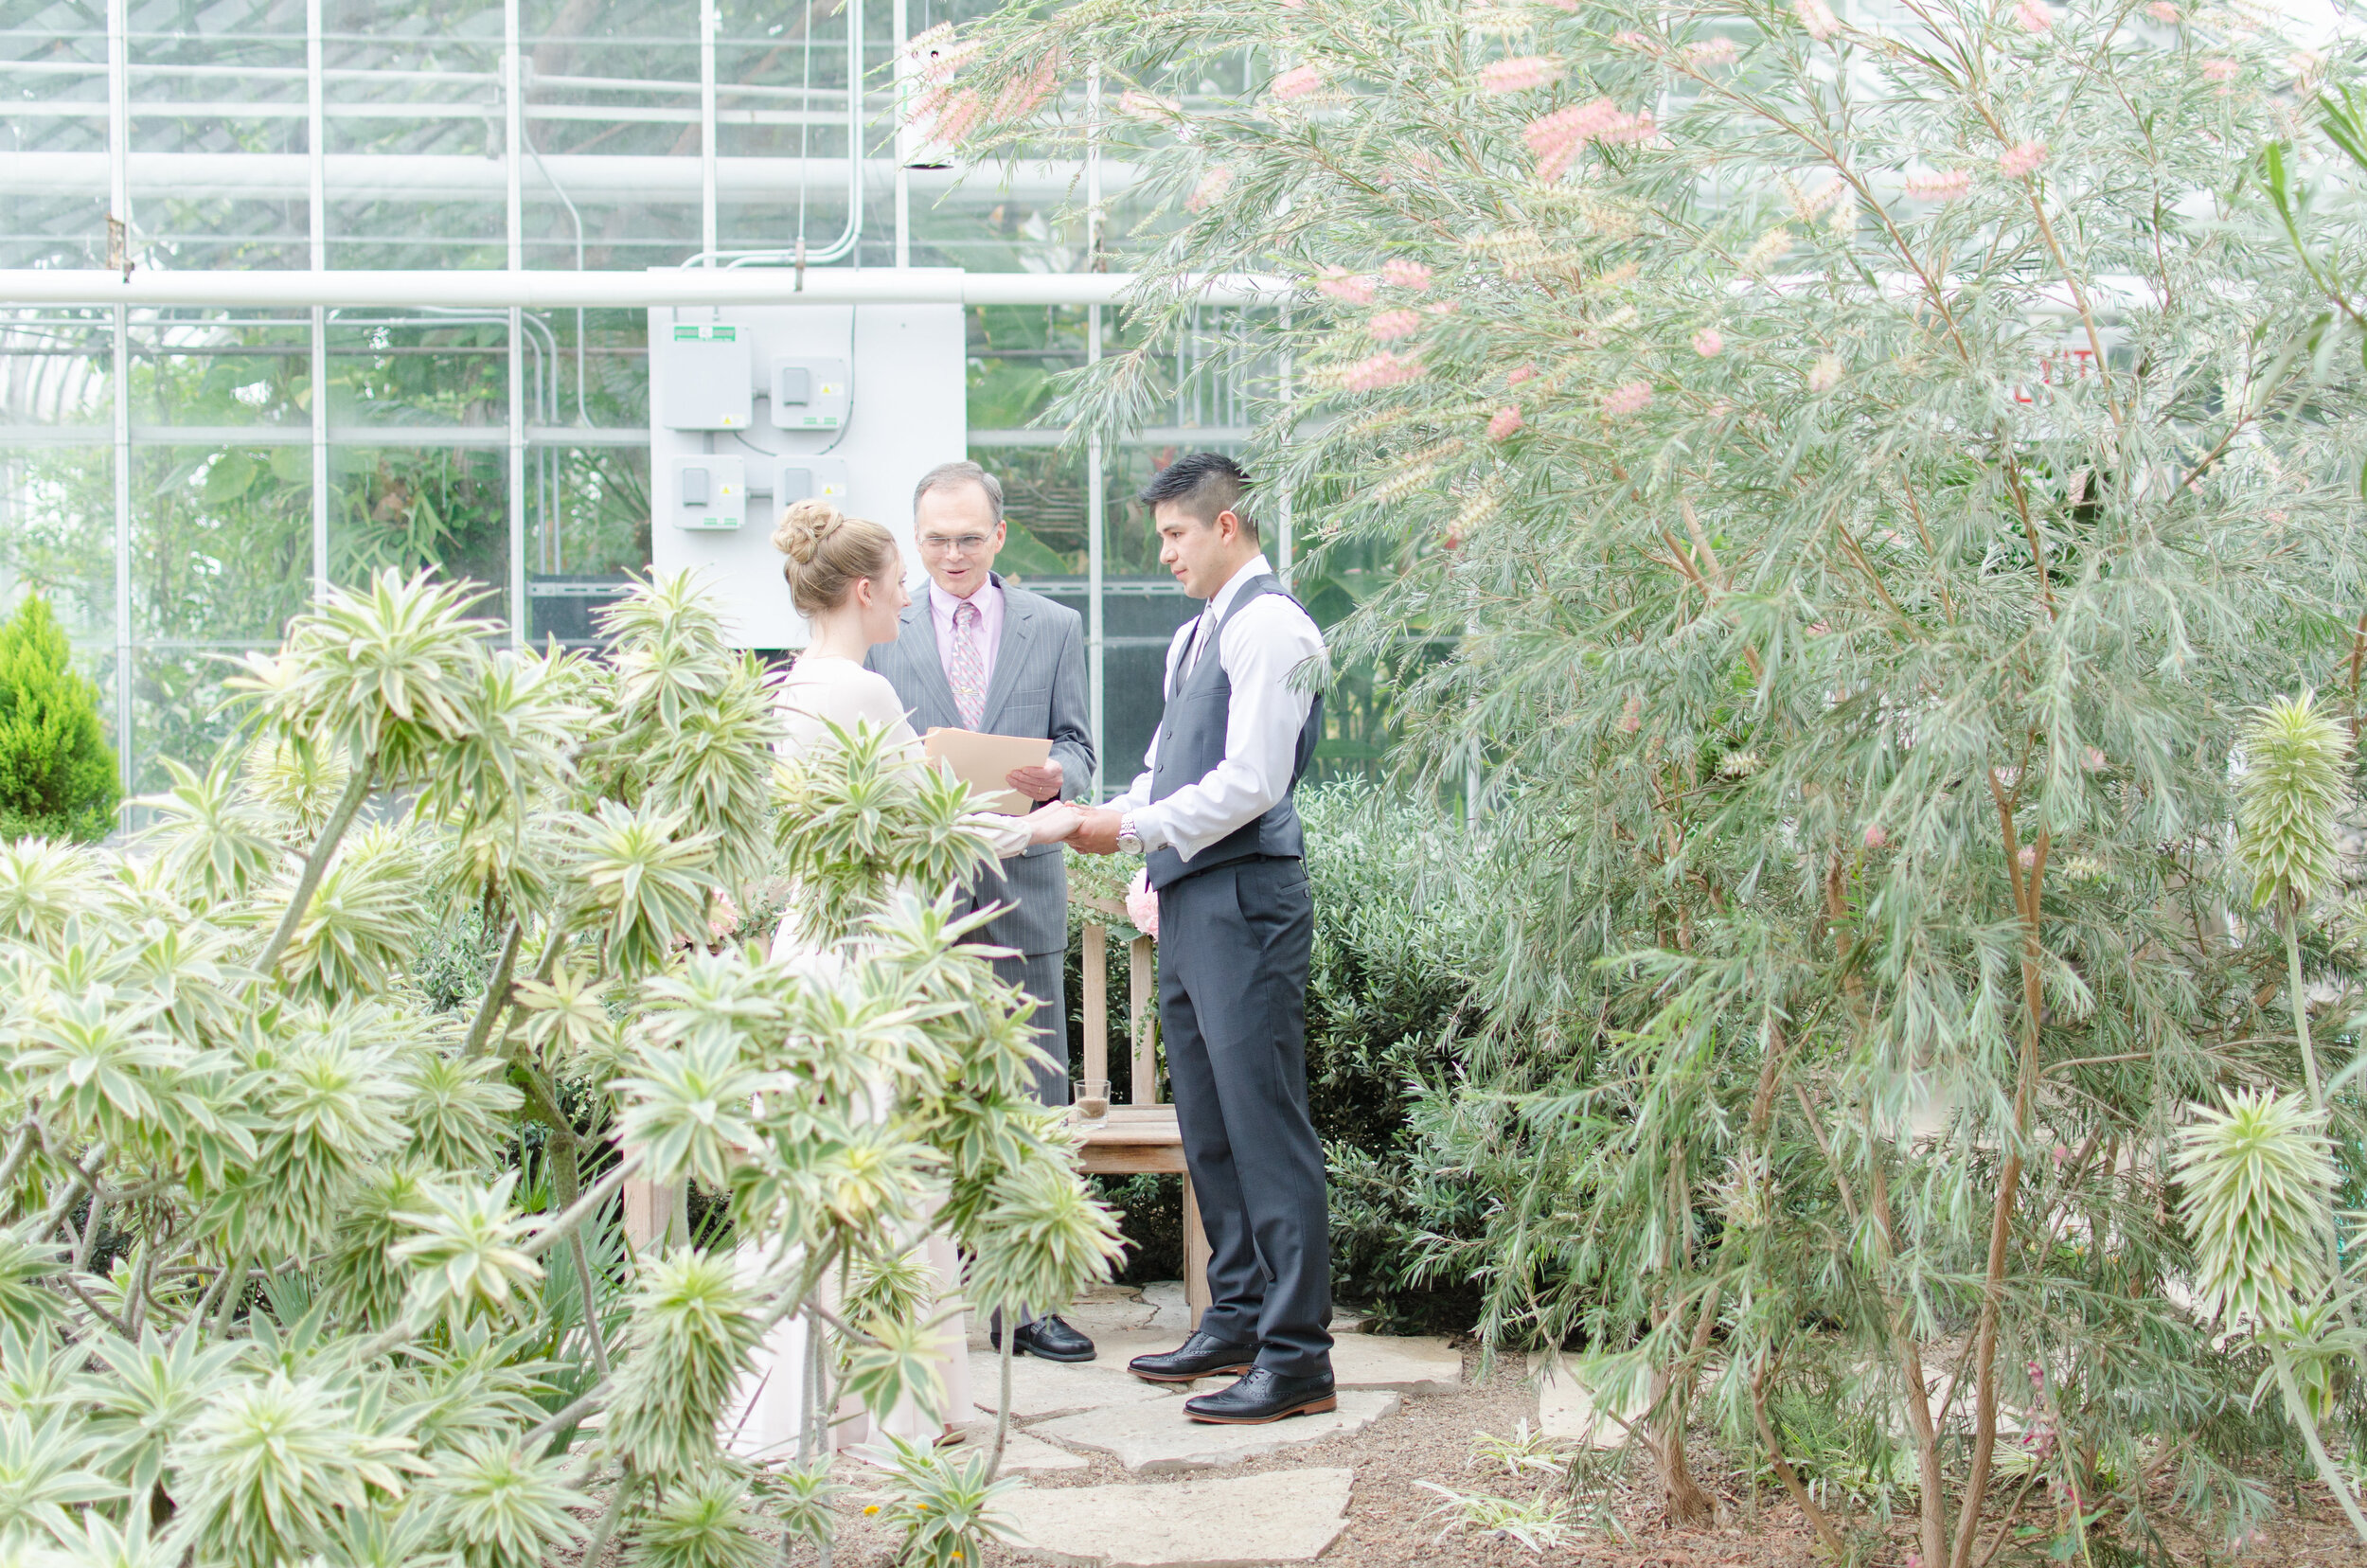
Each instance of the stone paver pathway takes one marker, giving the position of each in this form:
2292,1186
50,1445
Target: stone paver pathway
1270,1515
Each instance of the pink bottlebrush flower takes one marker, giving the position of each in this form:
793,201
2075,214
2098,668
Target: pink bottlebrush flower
1565,127
2034,17
1297,82
1147,106
1620,401
1945,185
1025,95
1817,17
1824,374
1875,837
1392,324
2163,13
1142,904
1405,275
1507,419
1441,308
958,115
1212,187
1342,285
1632,716
2022,160
1707,344
1521,373
2092,759
1519,75
1712,51
2028,857
1383,369
1637,127
2219,70
1453,538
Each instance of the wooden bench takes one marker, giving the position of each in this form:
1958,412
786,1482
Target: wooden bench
1141,1136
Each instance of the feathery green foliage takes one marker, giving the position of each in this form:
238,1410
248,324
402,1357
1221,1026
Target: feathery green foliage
1846,479
57,772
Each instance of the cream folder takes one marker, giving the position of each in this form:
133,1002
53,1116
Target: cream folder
982,762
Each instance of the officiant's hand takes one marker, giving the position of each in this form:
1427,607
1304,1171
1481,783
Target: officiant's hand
1098,831
1053,826
1036,783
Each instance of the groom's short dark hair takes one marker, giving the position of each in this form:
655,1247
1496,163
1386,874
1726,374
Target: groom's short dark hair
1204,484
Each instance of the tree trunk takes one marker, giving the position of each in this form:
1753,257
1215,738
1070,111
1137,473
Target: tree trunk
1689,1506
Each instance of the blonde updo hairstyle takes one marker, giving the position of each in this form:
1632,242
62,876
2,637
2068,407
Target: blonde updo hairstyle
828,552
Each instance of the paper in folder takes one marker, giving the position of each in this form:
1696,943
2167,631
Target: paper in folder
982,762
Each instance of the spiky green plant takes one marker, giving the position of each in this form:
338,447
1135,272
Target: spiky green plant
261,1272
2259,1178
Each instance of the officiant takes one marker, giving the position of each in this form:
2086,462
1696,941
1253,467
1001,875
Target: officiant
979,654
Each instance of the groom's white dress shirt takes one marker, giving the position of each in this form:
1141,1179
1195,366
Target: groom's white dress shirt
1262,653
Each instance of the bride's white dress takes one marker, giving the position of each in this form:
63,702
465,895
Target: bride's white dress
767,1411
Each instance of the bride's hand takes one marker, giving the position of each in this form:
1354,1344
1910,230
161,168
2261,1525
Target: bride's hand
1053,825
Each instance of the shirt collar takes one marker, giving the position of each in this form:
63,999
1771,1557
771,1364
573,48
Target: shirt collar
1250,571
945,603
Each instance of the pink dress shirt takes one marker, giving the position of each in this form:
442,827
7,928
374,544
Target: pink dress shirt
988,599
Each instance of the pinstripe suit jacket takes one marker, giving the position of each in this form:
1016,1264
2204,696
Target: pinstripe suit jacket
1038,688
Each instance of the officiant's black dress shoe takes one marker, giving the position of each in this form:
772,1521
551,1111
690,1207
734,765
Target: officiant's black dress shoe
1046,1338
1264,1394
1201,1356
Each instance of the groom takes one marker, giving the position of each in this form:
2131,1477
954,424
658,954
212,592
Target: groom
1214,815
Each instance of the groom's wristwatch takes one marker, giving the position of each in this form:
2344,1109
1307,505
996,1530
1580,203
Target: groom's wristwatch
1129,840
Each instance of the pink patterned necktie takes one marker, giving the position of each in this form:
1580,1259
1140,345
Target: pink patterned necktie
970,666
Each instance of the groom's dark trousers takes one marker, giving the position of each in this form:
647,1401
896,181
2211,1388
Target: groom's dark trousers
1234,943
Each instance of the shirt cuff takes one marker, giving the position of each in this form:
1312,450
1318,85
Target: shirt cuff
1151,827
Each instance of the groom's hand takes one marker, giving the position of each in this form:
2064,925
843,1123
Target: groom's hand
1097,832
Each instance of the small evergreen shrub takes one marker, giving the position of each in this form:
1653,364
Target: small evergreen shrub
57,772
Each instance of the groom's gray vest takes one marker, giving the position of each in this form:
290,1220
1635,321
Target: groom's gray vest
1191,743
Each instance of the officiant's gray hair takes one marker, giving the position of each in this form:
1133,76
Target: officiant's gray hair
1205,484
946,475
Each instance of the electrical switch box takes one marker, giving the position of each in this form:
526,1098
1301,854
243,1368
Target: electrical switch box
705,377
710,491
809,393
798,478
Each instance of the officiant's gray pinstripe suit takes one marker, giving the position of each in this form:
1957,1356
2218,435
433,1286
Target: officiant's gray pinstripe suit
1037,688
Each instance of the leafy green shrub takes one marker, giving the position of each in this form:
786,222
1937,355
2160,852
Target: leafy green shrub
57,772
263,1272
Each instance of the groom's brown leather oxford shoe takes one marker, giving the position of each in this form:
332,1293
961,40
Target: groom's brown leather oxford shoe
1264,1394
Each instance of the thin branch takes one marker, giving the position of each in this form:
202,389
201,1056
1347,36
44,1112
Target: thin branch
496,992
317,864
583,1207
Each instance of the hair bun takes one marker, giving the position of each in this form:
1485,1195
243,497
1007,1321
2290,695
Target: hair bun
803,526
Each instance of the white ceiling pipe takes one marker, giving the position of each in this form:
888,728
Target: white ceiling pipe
461,177
542,290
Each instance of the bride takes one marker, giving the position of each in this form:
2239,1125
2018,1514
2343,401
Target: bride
846,576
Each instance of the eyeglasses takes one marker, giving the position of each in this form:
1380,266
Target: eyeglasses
965,545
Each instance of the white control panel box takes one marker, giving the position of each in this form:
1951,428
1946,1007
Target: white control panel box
699,377
710,491
808,394
788,480
897,378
